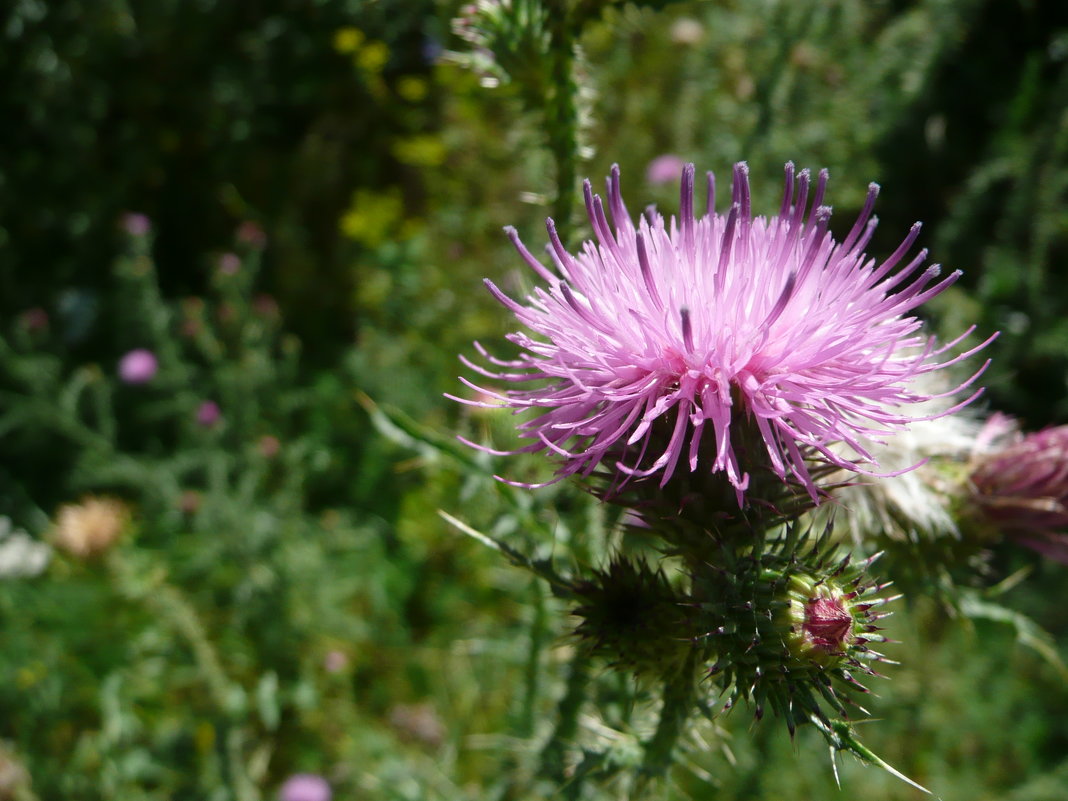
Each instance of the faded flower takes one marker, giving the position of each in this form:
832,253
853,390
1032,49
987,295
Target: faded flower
920,503
90,527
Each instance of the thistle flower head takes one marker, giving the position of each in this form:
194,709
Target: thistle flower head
1021,487
651,346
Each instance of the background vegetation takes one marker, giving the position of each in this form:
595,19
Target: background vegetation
325,188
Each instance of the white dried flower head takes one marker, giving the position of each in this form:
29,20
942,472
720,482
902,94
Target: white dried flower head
14,778
21,555
90,527
914,502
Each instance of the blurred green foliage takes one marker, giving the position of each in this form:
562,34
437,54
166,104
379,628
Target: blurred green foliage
289,599
202,115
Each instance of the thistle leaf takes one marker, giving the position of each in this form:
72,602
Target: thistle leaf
840,735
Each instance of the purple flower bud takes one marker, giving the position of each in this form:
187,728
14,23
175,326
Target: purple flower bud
138,366
208,413
1022,488
305,787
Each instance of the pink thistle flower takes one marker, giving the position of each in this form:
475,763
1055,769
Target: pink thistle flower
1022,488
208,413
671,334
139,366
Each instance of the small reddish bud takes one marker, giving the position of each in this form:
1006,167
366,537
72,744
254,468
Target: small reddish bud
828,624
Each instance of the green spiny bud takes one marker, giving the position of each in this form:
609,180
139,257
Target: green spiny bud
789,624
633,617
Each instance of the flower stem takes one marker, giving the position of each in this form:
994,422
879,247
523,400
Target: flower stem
679,704
552,756
561,112
533,667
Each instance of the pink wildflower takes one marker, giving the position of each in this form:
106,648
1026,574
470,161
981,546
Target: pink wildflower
139,366
305,787
208,413
673,334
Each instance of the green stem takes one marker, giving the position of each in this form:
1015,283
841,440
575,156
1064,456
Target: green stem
679,704
561,112
552,756
532,683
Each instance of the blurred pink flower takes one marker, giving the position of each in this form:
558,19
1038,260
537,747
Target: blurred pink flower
269,446
265,306
34,320
229,263
138,366
208,413
251,234
335,661
136,224
305,787
1022,487
664,169
660,339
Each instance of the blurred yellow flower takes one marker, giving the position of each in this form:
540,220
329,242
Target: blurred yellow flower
90,527
421,150
372,57
412,88
348,40
373,216
204,737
